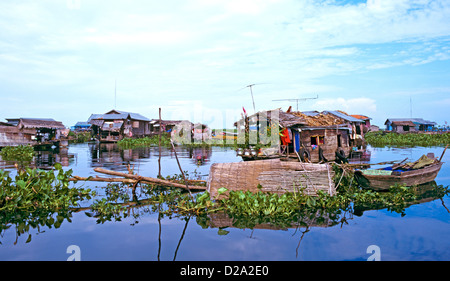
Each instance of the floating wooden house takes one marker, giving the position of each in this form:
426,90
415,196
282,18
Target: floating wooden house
354,123
181,129
366,125
115,125
312,136
30,131
167,126
407,125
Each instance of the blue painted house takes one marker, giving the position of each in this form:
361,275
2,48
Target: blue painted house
82,126
403,125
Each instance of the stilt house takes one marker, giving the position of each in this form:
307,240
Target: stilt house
115,125
302,135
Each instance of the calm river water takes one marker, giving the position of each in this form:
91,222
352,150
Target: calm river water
421,233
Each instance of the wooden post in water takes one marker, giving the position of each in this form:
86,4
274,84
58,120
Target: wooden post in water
159,159
181,170
443,153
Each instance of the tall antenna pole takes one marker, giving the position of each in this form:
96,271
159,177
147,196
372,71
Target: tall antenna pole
251,92
410,107
115,93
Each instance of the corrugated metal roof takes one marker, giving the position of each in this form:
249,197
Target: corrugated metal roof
419,121
117,115
362,117
343,116
132,115
82,124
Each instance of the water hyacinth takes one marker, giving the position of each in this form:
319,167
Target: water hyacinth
381,138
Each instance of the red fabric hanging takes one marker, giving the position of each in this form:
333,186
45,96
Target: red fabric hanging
285,137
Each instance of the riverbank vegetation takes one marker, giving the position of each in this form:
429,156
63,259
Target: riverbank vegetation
165,141
381,139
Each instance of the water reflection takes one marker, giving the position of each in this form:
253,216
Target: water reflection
44,158
111,156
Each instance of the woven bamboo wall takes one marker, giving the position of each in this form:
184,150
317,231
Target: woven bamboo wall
272,175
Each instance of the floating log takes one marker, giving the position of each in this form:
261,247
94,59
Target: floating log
100,179
148,179
271,176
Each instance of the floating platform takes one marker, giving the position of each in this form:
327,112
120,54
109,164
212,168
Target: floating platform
274,175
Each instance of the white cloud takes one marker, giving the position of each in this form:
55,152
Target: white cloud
351,106
159,38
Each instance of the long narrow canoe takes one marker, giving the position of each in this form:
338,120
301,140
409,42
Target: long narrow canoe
383,180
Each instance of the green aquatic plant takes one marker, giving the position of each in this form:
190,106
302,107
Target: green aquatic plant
382,138
144,142
37,199
79,137
34,189
21,153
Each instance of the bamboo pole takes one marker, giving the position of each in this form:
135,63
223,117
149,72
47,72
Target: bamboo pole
148,179
100,179
443,153
159,145
130,181
181,170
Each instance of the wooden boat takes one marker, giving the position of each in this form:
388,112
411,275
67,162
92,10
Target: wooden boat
408,178
384,178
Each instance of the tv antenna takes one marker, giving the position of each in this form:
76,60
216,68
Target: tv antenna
297,100
251,92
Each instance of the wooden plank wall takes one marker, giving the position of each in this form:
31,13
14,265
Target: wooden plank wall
330,142
12,136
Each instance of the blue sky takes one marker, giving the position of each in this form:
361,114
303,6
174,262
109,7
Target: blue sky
60,59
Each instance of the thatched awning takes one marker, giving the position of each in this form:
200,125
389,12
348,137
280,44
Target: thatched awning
320,119
284,119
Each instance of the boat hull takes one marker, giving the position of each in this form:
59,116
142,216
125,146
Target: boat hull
408,178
